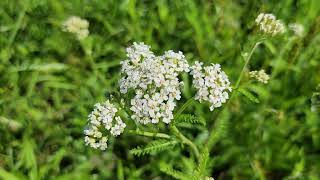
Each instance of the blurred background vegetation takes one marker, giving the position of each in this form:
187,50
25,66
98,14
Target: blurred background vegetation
49,82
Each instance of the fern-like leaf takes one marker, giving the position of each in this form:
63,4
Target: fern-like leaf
188,164
153,147
221,129
189,118
248,95
172,172
201,170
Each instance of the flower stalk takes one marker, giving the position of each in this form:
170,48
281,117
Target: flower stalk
149,134
184,106
185,140
212,135
247,60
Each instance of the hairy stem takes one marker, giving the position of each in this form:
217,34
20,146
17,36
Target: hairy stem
149,134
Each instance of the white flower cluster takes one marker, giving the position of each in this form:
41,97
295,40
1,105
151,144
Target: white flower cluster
261,76
77,26
269,24
212,84
154,79
298,29
103,117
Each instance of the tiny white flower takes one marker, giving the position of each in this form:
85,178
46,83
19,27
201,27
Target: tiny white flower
260,76
103,116
77,26
212,84
154,80
298,29
269,24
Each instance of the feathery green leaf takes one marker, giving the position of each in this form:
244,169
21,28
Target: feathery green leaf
154,147
248,95
172,172
189,118
200,172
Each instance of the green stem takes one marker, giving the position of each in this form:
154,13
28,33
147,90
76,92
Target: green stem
185,140
125,114
247,60
212,135
183,107
17,27
149,134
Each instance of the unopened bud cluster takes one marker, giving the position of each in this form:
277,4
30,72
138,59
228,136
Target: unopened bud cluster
77,26
260,76
297,28
268,24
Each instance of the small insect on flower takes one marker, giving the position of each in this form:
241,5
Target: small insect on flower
269,24
77,26
212,84
298,29
102,118
260,76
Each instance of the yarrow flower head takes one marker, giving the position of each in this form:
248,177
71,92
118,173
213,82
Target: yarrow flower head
102,118
77,26
154,79
269,24
134,69
298,29
260,76
211,83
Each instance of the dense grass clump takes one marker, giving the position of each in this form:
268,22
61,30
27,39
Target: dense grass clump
50,80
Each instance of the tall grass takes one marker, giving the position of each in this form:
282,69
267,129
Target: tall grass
49,82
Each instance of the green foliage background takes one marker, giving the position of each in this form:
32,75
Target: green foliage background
49,82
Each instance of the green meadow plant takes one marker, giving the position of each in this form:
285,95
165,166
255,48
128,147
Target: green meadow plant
149,95
131,90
